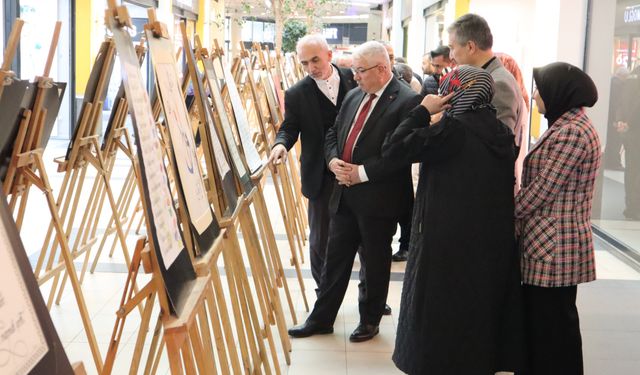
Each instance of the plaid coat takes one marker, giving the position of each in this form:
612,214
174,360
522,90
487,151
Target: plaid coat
553,208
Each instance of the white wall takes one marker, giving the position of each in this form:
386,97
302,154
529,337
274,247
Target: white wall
415,45
396,31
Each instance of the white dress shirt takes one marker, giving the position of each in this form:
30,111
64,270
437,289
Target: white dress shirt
361,172
330,86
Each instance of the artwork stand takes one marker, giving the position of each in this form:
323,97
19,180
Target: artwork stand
6,75
262,267
85,152
26,169
117,138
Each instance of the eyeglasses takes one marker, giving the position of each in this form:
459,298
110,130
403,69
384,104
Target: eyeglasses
362,70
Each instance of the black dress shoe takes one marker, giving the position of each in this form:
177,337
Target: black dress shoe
309,329
364,332
400,256
387,310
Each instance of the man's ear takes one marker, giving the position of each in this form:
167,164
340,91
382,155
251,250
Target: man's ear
330,54
471,46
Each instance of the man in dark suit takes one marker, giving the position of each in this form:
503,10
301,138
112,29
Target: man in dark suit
369,194
311,106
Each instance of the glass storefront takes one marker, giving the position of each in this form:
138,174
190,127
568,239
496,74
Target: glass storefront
619,212
35,40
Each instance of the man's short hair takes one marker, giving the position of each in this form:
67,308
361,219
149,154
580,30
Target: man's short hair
443,51
400,59
405,72
472,27
312,39
373,52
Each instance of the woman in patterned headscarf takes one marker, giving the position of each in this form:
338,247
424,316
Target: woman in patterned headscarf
460,309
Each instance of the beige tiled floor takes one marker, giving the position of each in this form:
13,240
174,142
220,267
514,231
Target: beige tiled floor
610,313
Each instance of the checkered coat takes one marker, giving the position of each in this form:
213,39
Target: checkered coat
553,208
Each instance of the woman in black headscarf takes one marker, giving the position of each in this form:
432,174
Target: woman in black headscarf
461,288
553,211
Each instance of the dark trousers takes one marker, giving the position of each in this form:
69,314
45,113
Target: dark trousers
347,231
552,329
318,214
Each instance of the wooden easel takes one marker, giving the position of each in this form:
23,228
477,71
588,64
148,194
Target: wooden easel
280,175
256,197
275,99
263,270
161,245
185,335
86,152
26,169
258,177
6,75
119,139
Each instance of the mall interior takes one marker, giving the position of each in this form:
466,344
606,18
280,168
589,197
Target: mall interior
134,322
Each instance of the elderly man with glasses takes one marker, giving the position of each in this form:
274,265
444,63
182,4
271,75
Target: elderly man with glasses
369,194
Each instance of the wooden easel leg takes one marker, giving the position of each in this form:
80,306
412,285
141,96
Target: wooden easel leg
279,175
215,319
289,197
269,303
272,248
123,206
225,319
242,305
155,350
142,334
84,313
175,362
292,244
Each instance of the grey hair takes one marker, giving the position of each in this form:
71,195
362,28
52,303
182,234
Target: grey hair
472,27
372,52
314,40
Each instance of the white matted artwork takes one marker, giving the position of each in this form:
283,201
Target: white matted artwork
164,215
22,342
242,122
184,147
224,119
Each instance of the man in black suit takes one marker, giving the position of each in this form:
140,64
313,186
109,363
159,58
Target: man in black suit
311,106
369,194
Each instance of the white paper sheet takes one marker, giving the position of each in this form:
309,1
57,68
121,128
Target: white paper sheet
22,342
164,215
184,146
250,152
222,113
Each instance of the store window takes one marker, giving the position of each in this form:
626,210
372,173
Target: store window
35,40
259,31
434,25
618,115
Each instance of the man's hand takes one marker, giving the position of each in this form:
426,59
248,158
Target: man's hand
436,104
346,173
278,154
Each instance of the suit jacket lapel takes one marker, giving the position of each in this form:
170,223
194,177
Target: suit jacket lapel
388,96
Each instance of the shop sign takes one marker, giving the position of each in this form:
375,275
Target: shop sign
632,14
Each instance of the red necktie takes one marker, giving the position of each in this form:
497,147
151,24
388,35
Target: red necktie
357,127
